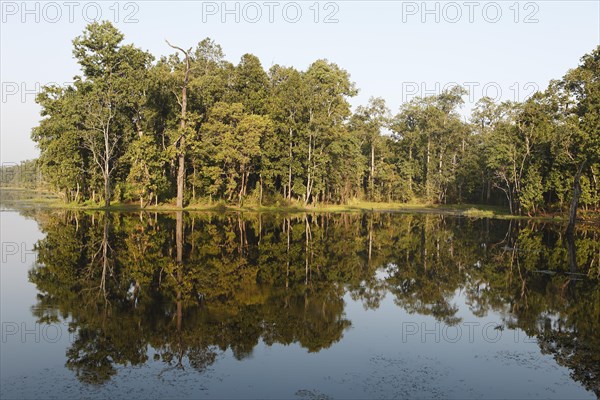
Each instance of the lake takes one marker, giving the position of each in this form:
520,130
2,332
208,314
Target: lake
302,306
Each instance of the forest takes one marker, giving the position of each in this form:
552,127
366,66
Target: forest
193,128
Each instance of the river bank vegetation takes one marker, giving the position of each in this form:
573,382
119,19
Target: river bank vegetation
192,129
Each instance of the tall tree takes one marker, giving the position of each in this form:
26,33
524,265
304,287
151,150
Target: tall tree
368,121
580,89
288,109
62,159
105,94
180,142
328,109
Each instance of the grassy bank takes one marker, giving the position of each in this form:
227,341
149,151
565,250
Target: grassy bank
26,197
17,198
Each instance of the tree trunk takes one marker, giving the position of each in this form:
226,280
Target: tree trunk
289,195
180,179
182,126
427,158
575,200
106,191
241,193
260,195
372,172
572,252
194,184
106,172
308,179
410,175
441,195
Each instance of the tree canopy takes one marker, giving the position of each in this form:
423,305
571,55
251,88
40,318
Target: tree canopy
197,128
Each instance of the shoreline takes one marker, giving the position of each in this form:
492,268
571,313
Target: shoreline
48,200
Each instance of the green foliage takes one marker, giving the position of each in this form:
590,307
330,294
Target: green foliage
284,135
531,195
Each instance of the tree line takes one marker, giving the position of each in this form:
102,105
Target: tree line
26,174
193,127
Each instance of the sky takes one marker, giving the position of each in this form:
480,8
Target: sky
392,49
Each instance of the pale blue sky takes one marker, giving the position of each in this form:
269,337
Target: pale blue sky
386,46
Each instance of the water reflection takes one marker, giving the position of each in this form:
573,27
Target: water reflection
184,288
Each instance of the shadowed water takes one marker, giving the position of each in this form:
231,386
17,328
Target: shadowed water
296,306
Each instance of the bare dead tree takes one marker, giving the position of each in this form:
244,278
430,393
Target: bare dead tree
181,143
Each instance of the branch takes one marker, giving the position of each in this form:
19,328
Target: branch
179,48
187,61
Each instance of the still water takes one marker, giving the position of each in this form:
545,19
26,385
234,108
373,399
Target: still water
375,305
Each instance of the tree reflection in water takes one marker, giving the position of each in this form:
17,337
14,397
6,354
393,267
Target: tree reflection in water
188,287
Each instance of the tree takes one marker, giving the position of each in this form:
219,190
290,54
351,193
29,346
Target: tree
580,91
368,121
145,178
435,138
288,109
232,138
250,85
180,142
62,160
328,109
105,92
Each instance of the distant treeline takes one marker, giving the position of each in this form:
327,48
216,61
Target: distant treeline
192,127
26,174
